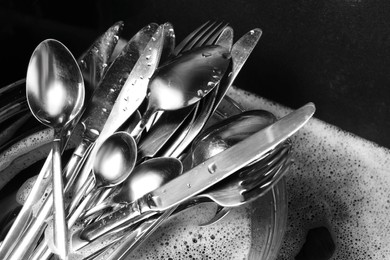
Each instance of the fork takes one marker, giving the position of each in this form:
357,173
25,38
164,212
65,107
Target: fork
247,185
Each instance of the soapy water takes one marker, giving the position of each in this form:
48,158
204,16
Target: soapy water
338,181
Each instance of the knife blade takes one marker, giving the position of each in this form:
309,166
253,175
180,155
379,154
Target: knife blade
203,175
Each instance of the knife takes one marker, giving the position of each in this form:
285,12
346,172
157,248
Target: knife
204,175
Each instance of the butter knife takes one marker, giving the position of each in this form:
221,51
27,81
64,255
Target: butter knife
204,175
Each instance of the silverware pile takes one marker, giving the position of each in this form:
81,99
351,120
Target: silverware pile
150,144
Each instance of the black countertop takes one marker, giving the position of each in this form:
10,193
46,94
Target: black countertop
333,53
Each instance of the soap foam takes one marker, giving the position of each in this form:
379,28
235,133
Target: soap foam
181,238
339,181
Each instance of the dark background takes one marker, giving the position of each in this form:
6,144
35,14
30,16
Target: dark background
335,53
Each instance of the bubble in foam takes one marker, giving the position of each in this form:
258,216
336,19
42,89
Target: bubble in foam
180,237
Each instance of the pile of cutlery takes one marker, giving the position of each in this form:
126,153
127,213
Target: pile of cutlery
151,111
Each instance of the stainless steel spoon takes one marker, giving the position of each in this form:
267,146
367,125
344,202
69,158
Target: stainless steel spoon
55,95
146,177
114,162
184,81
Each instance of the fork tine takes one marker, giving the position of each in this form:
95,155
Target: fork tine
200,37
189,38
268,178
225,38
261,189
256,175
212,34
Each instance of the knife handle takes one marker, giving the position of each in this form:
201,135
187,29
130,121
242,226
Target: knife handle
131,213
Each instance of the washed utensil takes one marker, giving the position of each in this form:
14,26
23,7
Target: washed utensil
184,81
114,162
55,94
225,134
204,175
105,44
146,177
170,122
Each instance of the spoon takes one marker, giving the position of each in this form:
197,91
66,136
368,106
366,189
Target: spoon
114,162
225,134
55,95
184,81
146,177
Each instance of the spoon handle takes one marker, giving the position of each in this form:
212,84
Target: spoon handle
60,228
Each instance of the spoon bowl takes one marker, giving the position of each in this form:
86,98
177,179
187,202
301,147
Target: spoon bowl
115,160
148,176
225,134
184,81
55,87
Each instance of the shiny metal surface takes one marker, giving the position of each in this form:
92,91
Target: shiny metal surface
177,84
206,174
148,176
227,133
55,94
55,87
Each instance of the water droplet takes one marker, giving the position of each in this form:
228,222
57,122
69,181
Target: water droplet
149,64
96,50
104,65
200,93
112,90
210,84
188,185
141,77
153,39
135,81
126,98
125,108
116,37
104,109
252,32
150,49
212,168
94,131
206,54
230,73
82,61
148,57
